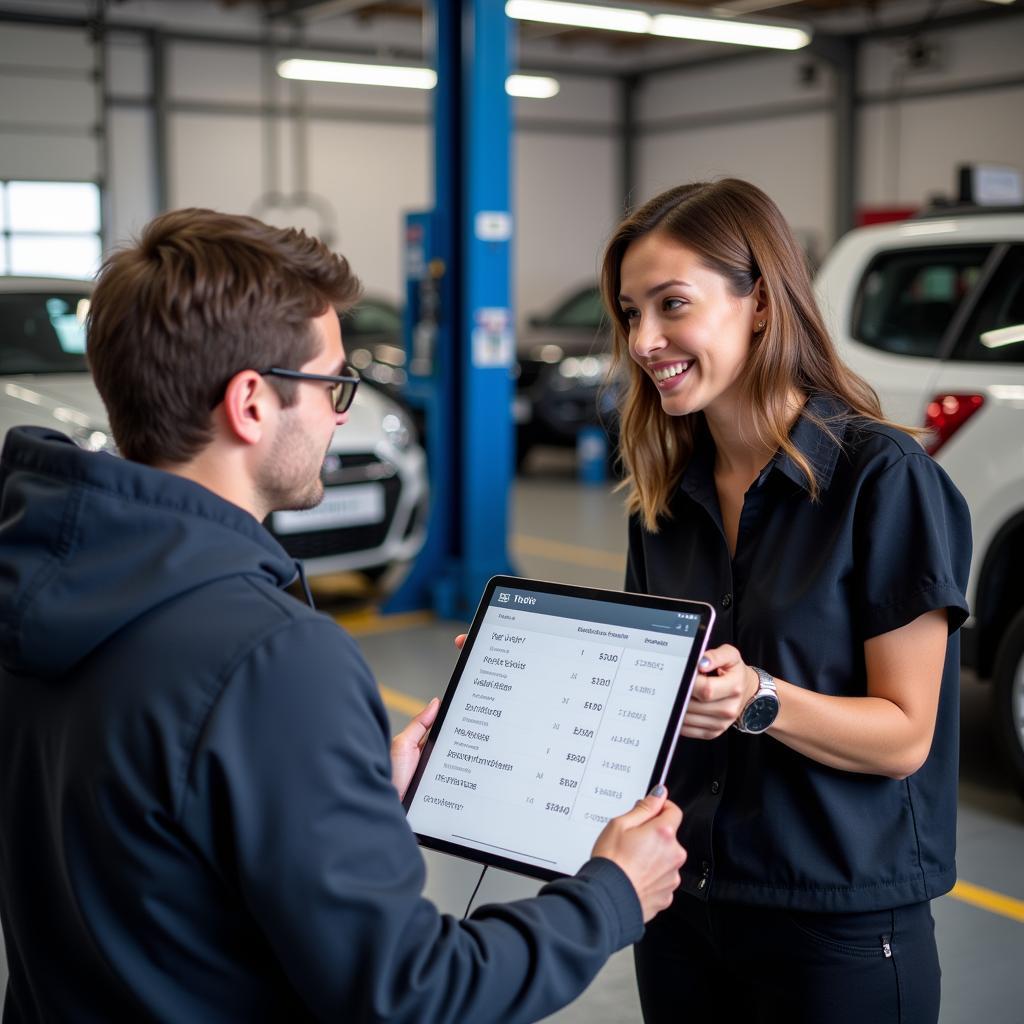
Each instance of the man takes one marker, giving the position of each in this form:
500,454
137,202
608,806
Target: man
199,817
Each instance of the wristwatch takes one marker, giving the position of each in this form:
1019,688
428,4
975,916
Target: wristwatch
762,708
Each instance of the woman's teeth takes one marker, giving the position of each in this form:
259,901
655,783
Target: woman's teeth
663,373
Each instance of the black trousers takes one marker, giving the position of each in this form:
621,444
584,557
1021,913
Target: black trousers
700,962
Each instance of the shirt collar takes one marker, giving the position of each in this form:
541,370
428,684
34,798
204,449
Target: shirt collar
820,446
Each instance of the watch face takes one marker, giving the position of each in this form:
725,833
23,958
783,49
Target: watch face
760,713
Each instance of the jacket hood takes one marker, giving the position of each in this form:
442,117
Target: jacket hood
90,542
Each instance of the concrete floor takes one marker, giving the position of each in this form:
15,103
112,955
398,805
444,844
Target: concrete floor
566,531
573,533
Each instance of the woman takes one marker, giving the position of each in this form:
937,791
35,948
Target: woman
762,478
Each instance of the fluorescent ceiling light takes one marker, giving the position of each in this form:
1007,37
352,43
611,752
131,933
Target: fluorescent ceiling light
358,74
533,87
556,12
676,26
720,30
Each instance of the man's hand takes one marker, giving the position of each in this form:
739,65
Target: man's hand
407,746
643,843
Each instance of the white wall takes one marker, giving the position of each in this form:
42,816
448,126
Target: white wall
369,150
768,131
910,147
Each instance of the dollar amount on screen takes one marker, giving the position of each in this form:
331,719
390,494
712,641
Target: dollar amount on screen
591,705
577,731
556,808
577,758
615,794
570,783
629,741
616,766
598,681
647,691
607,657
630,713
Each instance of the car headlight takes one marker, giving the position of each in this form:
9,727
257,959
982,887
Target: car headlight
398,430
587,368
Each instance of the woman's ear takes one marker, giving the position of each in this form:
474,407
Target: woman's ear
246,406
760,299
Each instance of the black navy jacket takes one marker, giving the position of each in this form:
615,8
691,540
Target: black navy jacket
197,821
888,540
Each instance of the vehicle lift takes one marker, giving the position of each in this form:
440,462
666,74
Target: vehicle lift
459,330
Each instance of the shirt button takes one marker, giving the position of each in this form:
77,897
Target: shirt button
727,601
715,786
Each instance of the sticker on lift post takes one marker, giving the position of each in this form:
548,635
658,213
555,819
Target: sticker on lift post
492,338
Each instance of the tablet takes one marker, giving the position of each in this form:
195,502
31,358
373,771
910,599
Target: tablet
563,710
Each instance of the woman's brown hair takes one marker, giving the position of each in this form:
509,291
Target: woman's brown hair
198,298
737,231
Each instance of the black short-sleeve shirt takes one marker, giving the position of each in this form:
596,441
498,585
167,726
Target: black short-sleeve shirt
887,540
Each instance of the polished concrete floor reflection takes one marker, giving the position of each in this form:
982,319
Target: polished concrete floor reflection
576,533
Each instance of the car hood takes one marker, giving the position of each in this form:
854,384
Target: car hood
70,402
59,397
363,431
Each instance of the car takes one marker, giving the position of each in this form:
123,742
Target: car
372,335
375,500
562,372
930,311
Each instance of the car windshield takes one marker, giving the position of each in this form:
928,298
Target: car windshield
583,309
43,332
372,318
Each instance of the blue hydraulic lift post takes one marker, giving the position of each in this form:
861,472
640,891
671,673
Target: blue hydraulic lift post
467,393
487,359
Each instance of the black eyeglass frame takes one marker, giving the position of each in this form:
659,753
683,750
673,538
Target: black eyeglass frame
345,385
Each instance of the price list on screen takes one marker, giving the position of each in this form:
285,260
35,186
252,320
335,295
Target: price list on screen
555,726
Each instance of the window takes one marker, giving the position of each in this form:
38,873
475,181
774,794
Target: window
908,299
50,228
43,331
995,332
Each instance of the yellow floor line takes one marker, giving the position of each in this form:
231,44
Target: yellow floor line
398,701
572,553
987,899
365,623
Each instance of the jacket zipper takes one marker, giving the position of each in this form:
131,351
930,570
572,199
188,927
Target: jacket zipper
886,947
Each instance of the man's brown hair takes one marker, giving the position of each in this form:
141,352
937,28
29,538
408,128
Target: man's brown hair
198,298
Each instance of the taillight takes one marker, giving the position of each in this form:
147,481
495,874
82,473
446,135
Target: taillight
946,414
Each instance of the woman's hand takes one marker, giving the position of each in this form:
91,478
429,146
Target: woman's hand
723,686
407,746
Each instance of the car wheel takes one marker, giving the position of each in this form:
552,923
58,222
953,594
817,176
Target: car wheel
1008,698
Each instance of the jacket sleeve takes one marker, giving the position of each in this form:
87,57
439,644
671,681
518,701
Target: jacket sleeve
295,762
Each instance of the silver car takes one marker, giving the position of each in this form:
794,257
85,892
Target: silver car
375,480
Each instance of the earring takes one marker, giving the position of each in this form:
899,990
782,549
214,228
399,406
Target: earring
761,324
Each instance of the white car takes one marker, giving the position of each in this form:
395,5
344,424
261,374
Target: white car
375,501
931,312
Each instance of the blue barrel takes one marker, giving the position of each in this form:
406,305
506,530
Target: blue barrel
592,455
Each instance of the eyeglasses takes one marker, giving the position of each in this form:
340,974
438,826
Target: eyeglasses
342,393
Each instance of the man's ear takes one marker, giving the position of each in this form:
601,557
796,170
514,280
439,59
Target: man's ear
246,406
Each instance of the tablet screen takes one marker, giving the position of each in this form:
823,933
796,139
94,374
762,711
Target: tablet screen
563,711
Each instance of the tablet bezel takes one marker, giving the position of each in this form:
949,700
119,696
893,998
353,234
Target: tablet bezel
706,616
